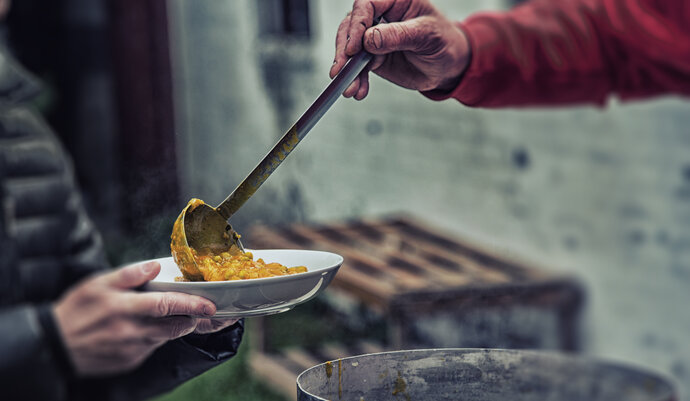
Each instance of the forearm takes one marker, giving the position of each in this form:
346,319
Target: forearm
28,368
171,365
31,367
580,51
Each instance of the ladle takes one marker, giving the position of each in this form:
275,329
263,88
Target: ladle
201,226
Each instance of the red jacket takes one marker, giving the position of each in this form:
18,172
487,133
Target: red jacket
551,52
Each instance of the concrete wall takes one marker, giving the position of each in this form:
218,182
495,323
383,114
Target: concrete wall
604,194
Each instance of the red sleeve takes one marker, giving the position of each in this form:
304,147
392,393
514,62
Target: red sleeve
551,52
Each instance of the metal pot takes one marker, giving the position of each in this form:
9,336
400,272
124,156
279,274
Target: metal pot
478,375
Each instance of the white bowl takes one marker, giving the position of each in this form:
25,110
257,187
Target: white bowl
261,296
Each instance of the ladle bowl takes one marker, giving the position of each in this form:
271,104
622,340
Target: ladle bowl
201,227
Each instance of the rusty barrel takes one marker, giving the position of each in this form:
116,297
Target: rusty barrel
479,375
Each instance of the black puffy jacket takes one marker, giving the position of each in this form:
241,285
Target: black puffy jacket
47,243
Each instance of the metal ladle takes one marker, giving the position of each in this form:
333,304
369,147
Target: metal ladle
201,226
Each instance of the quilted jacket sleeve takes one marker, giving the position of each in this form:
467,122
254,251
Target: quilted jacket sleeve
47,243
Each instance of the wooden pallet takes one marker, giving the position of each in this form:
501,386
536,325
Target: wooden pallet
400,265
405,270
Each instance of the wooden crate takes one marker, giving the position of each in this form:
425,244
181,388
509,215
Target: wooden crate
405,269
433,289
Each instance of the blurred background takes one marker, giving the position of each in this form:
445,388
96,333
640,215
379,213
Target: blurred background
160,101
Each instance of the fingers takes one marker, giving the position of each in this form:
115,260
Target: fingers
131,276
362,18
340,41
348,39
363,86
359,87
352,89
162,304
363,91
412,35
364,12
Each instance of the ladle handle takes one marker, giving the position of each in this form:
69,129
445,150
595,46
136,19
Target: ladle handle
294,135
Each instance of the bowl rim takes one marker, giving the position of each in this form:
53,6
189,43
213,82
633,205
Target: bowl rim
250,281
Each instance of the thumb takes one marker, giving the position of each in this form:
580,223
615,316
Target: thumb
132,276
412,35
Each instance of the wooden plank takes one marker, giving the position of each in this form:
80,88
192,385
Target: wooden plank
394,238
390,255
271,370
478,252
263,237
403,279
334,351
376,295
302,358
256,331
471,272
429,251
374,292
369,347
477,273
